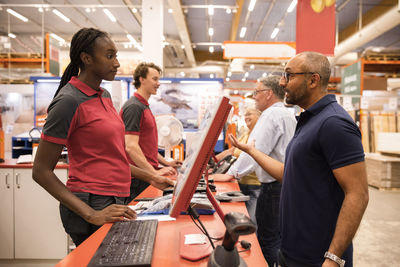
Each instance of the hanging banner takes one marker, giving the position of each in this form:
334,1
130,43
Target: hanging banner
315,26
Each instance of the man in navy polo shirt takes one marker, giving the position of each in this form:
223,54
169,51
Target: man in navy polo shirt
324,189
141,139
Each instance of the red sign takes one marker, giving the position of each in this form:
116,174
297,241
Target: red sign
315,27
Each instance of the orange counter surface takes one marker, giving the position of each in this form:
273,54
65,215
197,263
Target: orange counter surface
166,247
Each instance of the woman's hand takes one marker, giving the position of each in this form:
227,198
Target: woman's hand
112,213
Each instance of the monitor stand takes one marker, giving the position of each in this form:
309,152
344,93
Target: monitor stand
199,251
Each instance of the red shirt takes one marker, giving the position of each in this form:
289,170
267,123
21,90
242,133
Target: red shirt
139,120
86,121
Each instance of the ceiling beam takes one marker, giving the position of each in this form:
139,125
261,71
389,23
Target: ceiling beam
236,20
182,29
136,15
381,8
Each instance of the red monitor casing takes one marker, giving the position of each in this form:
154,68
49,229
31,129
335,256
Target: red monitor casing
188,181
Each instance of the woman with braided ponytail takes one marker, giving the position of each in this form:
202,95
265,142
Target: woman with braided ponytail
82,118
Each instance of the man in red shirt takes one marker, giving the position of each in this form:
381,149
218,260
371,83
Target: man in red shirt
141,138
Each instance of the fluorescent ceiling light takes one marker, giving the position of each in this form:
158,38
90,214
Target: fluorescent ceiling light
292,6
211,31
251,5
211,49
15,14
61,15
109,15
165,81
210,10
58,38
242,32
11,35
131,38
274,33
199,82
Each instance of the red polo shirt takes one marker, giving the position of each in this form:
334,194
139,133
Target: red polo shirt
86,122
139,120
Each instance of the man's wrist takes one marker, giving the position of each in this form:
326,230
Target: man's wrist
333,257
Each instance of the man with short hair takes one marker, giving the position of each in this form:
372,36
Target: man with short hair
324,183
271,134
141,139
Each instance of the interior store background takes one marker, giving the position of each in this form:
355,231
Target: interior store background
208,48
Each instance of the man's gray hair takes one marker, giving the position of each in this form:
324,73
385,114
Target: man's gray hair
272,82
317,62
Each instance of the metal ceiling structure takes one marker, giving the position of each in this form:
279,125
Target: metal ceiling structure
187,23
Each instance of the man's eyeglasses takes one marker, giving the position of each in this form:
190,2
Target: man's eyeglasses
258,91
287,75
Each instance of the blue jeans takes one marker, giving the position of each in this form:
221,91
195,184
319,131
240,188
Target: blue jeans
267,215
253,191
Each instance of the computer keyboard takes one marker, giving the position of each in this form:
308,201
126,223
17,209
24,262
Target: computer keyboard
128,243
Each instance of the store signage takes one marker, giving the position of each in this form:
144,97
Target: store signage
259,50
351,79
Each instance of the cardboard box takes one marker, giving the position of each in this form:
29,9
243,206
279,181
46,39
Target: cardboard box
383,171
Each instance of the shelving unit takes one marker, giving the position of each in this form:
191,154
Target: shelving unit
22,144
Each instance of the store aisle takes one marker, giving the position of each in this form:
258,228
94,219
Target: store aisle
377,242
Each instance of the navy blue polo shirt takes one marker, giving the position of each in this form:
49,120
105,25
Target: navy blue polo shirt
326,138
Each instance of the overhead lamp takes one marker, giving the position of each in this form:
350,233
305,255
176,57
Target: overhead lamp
252,66
165,81
227,79
40,9
234,10
131,38
58,38
211,76
134,10
246,74
109,15
11,35
228,11
229,74
16,14
292,6
211,31
170,10
93,9
251,5
183,46
242,32
264,74
61,15
182,73
88,10
243,79
210,10
274,33
211,49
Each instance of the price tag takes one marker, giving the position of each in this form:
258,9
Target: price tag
393,103
364,103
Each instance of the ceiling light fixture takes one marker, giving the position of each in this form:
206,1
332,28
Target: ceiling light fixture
246,74
40,9
16,14
109,15
210,10
11,35
264,74
252,66
229,74
242,32
58,38
134,10
228,11
170,10
211,76
183,46
88,10
251,5
292,6
211,49
211,31
243,79
274,33
227,79
61,15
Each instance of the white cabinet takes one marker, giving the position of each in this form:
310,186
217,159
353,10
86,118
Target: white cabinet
30,225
